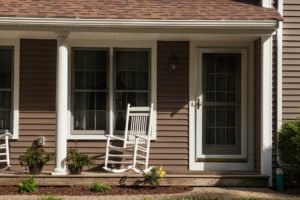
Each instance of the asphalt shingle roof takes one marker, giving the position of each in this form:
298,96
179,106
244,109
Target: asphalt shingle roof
139,9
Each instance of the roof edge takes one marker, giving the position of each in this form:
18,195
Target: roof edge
80,22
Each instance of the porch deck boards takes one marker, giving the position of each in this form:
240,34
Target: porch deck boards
187,178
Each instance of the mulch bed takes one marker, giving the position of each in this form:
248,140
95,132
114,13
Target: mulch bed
83,190
292,190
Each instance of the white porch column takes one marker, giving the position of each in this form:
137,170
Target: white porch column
266,107
61,105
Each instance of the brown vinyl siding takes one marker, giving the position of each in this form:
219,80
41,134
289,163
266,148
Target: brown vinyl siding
291,59
37,96
171,147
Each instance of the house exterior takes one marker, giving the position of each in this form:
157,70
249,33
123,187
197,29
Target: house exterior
222,76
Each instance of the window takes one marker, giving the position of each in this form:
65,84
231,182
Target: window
104,80
6,88
89,89
131,68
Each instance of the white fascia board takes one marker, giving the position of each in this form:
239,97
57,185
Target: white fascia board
71,22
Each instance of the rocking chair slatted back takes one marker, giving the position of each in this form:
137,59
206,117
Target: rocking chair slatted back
137,123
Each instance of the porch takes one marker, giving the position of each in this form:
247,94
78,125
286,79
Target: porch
45,60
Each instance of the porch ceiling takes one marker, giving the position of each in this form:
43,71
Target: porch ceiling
137,9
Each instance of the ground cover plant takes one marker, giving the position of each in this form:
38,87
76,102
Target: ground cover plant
50,198
27,185
99,187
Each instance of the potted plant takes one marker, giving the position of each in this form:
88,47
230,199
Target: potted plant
35,158
76,161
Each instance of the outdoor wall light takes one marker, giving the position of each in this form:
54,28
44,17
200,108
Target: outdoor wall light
173,62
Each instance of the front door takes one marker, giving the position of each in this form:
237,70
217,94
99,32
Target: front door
221,107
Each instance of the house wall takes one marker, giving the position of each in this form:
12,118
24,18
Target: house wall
291,59
37,96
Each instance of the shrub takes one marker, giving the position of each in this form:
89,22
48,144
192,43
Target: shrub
76,161
27,185
153,177
289,148
35,158
99,187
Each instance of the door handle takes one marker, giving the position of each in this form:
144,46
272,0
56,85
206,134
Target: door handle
198,103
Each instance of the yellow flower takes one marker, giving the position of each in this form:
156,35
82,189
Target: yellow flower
162,172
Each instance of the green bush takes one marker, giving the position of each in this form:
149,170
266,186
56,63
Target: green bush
289,148
27,185
99,187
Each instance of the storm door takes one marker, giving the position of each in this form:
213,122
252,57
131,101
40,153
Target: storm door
219,106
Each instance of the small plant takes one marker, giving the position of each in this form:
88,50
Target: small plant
76,161
27,185
153,177
289,148
50,198
99,187
35,158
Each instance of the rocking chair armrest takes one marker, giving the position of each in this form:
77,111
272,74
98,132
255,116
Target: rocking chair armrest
115,137
141,136
5,134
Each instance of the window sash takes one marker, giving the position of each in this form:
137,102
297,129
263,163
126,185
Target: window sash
119,113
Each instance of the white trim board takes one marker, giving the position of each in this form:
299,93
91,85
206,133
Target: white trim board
71,22
193,164
110,45
15,43
266,106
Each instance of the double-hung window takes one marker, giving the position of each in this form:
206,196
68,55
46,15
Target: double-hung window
104,81
6,88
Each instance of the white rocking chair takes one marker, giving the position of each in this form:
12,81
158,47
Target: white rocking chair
4,147
136,141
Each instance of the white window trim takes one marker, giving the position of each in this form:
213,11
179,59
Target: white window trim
111,45
15,43
193,164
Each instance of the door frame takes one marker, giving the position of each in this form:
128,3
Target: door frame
244,110
245,161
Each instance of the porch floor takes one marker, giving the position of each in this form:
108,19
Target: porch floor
187,178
